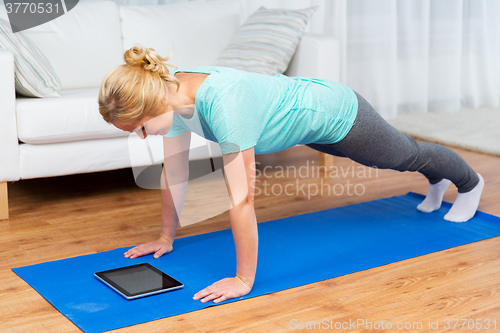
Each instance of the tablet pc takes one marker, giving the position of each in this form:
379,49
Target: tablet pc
138,280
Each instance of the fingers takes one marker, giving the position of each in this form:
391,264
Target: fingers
216,295
200,294
209,294
210,297
138,251
160,252
222,298
156,247
130,252
221,291
204,293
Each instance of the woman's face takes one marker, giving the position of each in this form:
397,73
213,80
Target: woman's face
149,125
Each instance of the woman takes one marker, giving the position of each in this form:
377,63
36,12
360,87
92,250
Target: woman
248,114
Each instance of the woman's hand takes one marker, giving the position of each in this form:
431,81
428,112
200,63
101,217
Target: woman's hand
224,289
159,247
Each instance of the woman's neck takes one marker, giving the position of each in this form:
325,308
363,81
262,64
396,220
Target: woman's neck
182,101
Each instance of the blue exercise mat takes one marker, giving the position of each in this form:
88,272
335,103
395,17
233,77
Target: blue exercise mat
293,251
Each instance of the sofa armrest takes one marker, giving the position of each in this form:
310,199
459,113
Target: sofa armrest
316,56
9,144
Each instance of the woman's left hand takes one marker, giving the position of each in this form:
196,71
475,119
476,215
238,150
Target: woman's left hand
224,289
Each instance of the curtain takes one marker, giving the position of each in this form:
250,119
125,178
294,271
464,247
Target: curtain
406,55
412,55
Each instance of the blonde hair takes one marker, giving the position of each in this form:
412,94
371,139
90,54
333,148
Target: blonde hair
135,89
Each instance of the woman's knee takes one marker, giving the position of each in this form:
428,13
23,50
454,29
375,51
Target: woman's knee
416,159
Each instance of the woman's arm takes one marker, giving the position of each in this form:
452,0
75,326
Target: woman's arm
174,179
240,180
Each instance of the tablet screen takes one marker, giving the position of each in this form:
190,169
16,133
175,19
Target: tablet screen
138,280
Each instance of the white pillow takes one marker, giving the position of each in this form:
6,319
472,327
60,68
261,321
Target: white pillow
197,31
267,40
34,75
82,45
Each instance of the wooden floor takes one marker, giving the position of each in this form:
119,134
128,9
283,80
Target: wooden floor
61,217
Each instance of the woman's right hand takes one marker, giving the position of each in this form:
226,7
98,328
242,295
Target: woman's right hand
159,247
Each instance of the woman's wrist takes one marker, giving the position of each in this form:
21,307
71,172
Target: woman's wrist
243,281
166,239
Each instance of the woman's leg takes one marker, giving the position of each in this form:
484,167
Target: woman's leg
373,142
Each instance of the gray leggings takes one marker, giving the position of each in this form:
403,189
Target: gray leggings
374,143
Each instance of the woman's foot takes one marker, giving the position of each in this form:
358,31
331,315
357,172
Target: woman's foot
434,196
466,204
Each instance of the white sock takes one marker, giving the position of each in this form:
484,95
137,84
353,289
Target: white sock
434,196
465,204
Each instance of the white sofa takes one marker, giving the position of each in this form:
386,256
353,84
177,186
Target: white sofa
46,137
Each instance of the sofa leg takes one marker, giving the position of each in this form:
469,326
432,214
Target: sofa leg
325,163
4,201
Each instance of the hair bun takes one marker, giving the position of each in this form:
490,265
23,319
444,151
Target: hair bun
149,59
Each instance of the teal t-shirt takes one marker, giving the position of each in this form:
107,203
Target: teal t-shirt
241,110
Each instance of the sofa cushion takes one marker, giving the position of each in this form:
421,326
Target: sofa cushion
164,28
33,73
82,45
66,158
73,116
267,40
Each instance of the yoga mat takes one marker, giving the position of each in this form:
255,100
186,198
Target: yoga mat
293,251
